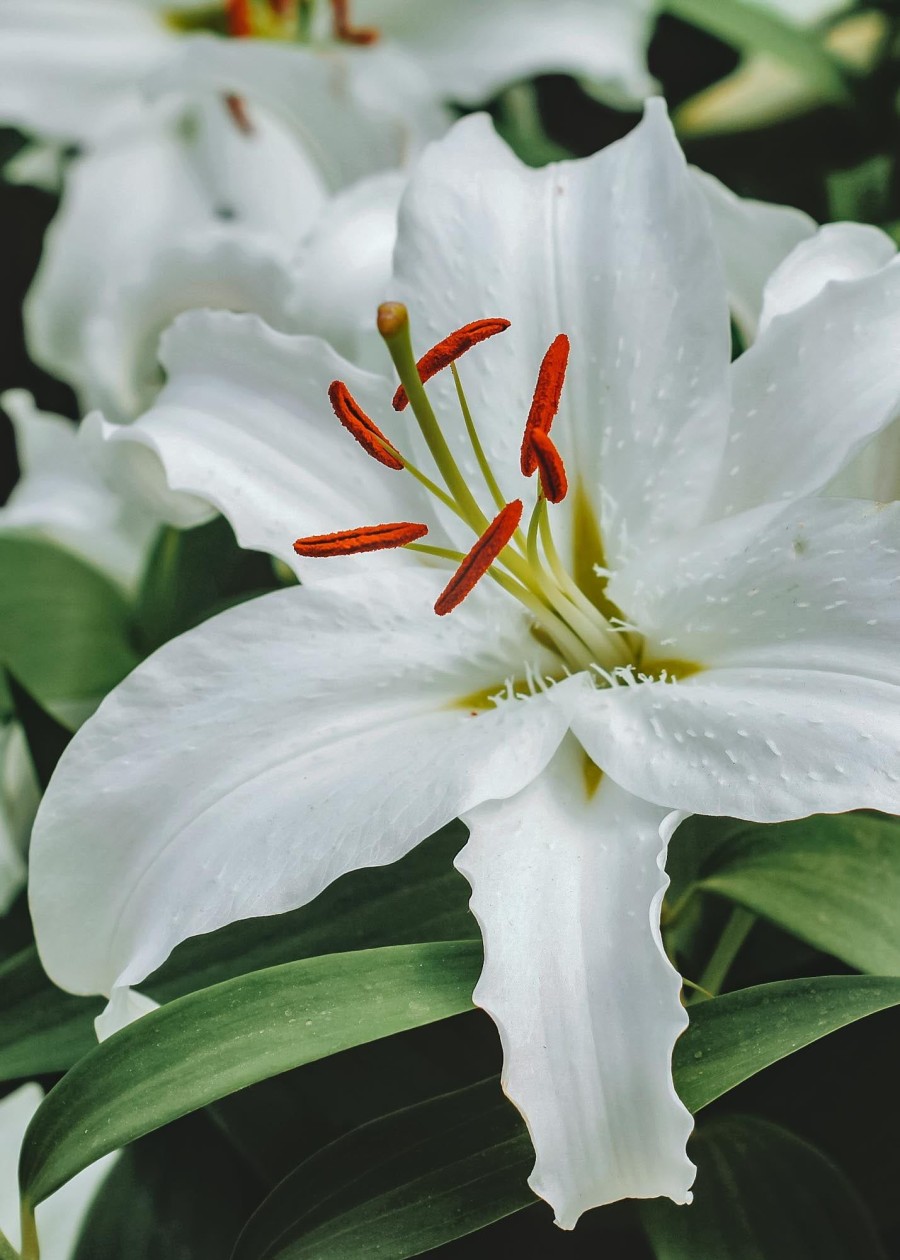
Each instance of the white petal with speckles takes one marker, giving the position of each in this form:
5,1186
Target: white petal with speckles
761,744
301,735
812,586
567,886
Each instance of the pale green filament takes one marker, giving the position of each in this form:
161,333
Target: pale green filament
400,346
580,632
569,644
486,472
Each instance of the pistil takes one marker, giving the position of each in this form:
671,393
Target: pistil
393,324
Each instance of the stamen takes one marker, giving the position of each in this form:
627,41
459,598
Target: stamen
237,108
451,349
349,542
480,558
554,483
361,426
344,28
545,403
393,324
239,19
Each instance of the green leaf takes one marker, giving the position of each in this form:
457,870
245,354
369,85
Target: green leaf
209,1044
420,898
762,1194
442,1169
862,193
190,574
181,1192
750,28
65,629
833,881
43,1029
46,738
400,1185
733,1037
7,1251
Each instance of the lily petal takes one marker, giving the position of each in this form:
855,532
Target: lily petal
183,182
357,111
244,423
754,237
61,62
616,251
343,269
567,885
301,735
815,585
471,49
838,251
62,496
814,388
762,744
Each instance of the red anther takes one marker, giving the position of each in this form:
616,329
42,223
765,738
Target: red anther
545,403
450,349
344,28
240,23
350,542
361,426
552,470
281,8
480,558
237,108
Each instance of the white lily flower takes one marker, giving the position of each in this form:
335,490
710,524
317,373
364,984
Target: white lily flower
172,217
59,1218
63,496
73,70
692,627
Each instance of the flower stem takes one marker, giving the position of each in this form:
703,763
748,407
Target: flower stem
30,1246
735,932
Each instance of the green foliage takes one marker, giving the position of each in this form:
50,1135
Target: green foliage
400,1185
193,573
179,1194
43,1029
46,738
751,28
762,1194
833,881
65,629
208,1044
734,1036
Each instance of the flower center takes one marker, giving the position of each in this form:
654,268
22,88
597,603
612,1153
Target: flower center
587,633
268,19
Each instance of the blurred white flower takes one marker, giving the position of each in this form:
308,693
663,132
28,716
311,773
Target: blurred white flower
63,496
700,631
73,70
59,1218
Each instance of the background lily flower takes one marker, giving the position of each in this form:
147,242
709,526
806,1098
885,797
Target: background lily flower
714,635
61,1217
169,217
72,70
61,495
